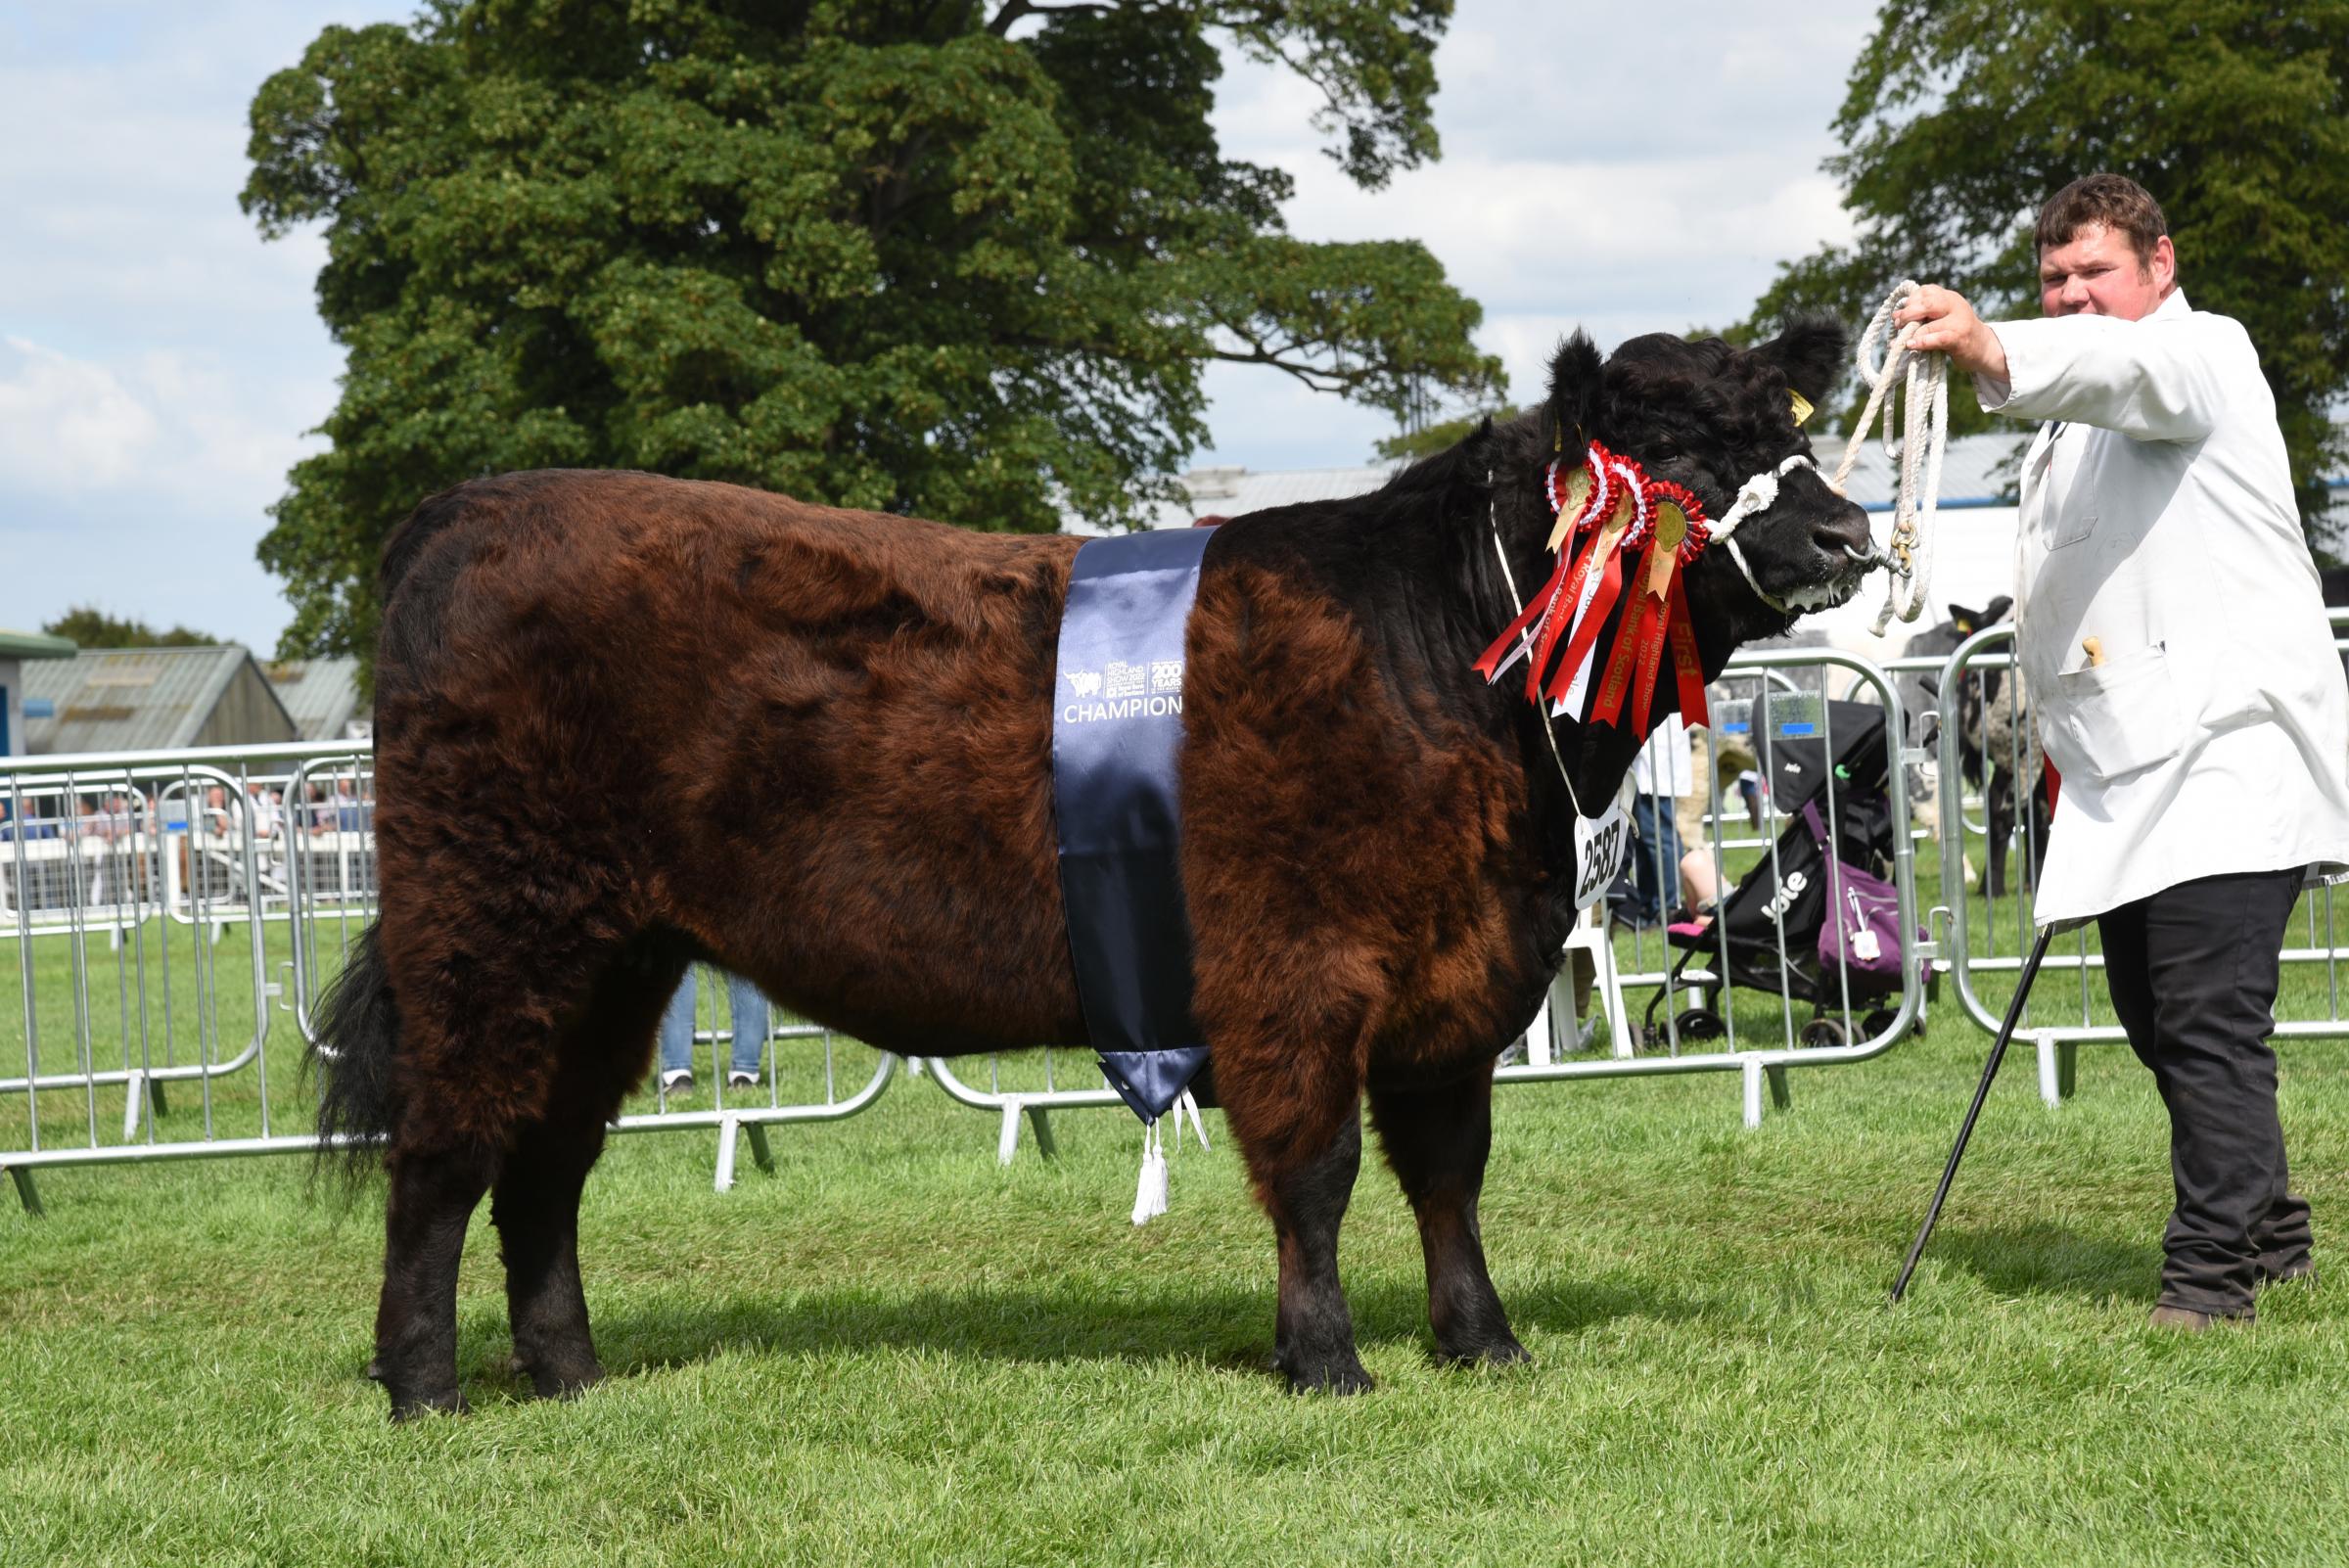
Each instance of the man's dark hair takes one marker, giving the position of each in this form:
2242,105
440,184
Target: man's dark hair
2115,200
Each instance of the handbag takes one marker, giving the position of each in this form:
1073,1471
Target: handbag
1861,931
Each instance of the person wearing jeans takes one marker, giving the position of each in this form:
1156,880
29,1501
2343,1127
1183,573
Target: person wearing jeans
748,1007
1661,773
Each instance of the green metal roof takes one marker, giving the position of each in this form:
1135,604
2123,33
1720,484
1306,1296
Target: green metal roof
35,645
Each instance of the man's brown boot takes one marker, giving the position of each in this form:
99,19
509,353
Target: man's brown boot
2186,1320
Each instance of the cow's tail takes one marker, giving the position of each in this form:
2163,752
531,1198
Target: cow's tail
358,1029
357,1018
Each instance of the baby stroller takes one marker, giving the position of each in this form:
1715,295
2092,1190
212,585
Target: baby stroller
1859,953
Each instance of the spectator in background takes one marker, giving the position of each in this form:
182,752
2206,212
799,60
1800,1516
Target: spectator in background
340,812
1660,775
106,819
268,816
28,817
748,1007
220,819
109,821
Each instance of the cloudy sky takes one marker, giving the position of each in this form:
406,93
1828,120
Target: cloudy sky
1624,168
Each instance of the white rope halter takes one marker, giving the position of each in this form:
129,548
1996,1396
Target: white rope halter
1759,495
1924,435
1925,406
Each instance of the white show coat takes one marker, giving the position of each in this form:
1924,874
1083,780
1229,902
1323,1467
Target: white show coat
1664,766
2159,521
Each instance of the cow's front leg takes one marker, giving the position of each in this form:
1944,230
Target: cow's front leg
1312,1339
1437,1138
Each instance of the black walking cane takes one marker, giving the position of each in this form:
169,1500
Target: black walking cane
1998,1054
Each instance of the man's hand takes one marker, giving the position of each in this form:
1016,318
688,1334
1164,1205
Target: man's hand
1951,326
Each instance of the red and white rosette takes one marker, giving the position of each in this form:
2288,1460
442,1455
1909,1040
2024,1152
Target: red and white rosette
1622,532
1580,495
1676,536
1609,510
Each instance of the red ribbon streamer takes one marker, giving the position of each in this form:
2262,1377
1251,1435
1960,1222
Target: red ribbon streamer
1564,585
1610,590
1687,667
1568,597
1606,707
1489,665
1651,656
1656,619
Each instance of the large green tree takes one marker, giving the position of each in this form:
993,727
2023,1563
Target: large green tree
1962,116
966,259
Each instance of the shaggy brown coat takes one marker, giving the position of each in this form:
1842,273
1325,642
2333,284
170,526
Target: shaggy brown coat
623,721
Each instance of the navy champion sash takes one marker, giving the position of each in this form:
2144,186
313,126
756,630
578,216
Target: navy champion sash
1117,732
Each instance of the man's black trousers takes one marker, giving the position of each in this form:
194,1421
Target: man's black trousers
2192,973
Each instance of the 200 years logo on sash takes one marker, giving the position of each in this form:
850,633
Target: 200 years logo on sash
1148,690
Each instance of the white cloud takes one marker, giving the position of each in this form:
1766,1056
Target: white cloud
1615,170
160,360
142,487
168,425
65,424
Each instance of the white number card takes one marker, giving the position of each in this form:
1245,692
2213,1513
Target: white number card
1599,847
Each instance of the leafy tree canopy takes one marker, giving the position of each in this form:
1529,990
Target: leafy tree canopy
92,628
961,258
1963,115
1441,437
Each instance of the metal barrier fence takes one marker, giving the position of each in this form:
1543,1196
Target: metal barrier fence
164,910
1984,711
1846,1024
101,846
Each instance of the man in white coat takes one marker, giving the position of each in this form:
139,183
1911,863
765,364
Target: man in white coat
2174,641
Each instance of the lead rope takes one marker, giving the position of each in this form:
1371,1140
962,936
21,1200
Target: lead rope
1925,436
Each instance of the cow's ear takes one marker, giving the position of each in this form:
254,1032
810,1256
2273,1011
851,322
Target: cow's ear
1574,373
1811,351
1964,619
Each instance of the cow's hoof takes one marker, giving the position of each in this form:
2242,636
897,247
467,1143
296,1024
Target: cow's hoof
1501,1352
559,1378
412,1407
1337,1375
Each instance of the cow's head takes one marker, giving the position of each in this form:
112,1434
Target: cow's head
1711,416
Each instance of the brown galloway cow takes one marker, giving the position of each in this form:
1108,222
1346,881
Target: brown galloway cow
624,722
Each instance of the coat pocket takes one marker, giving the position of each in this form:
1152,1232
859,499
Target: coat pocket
2071,527
2118,717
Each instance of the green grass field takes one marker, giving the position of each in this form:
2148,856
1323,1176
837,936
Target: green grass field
892,1351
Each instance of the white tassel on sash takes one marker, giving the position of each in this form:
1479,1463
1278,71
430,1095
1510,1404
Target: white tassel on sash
1150,1192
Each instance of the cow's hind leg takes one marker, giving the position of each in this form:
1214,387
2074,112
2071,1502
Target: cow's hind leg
1437,1138
434,1188
1312,1339
491,996
535,1205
